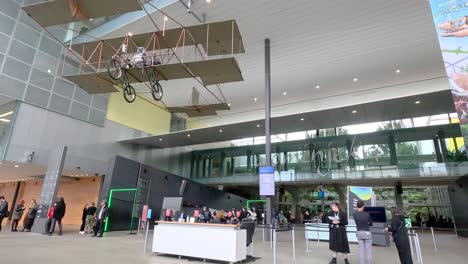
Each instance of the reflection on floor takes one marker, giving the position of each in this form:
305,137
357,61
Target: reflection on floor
119,247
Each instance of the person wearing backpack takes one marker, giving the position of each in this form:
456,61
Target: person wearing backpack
3,210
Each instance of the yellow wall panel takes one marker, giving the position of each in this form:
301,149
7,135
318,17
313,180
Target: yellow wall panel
141,115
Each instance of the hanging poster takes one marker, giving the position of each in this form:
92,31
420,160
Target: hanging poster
451,22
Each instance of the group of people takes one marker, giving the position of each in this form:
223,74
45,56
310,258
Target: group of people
17,214
93,220
338,242
431,220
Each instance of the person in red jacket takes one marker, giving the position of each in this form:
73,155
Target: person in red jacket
50,214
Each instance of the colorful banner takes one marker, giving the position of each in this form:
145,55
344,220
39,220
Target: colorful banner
451,22
355,194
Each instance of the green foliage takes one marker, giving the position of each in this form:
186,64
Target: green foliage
457,156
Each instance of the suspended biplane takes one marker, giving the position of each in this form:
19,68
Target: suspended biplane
147,57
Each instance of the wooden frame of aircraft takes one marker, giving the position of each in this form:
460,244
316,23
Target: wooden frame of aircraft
147,57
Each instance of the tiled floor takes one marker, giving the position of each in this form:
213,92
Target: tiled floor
119,247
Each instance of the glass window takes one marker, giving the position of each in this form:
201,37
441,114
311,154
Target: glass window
296,136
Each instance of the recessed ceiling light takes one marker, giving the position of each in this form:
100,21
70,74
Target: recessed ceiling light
397,71
208,1
417,102
317,87
130,34
49,71
255,99
355,79
229,104
5,120
16,166
285,93
166,18
220,131
188,135
160,139
90,19
302,119
258,125
6,114
354,111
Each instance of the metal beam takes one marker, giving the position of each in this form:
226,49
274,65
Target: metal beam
268,214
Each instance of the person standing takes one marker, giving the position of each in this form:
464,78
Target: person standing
83,219
50,214
400,236
17,214
3,210
364,236
90,212
100,219
338,242
32,211
59,213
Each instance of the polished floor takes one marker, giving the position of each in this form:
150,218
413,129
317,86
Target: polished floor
120,247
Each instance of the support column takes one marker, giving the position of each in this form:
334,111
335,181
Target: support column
267,129
443,145
15,199
399,200
343,200
349,147
249,160
392,148
437,151
49,187
204,167
221,168
192,166
285,154
232,166
210,166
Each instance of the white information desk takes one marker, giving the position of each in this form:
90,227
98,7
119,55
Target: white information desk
321,231
225,242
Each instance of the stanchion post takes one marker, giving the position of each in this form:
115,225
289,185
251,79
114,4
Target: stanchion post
433,238
271,230
411,243
318,236
139,225
274,246
293,243
419,249
146,235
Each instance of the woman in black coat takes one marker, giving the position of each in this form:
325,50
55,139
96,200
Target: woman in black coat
59,213
400,237
337,222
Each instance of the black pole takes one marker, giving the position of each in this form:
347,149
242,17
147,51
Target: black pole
268,129
15,198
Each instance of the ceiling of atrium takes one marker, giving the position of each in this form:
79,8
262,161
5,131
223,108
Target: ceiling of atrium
392,109
325,43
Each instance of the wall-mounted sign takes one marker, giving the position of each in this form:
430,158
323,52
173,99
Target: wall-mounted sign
267,181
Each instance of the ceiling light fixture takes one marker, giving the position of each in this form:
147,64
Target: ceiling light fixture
397,71
130,34
6,114
90,19
354,111
302,119
355,79
229,104
417,102
208,1
49,71
317,87
188,135
255,99
160,139
285,93
220,131
166,18
16,166
5,120
258,125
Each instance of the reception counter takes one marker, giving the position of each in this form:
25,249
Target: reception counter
204,241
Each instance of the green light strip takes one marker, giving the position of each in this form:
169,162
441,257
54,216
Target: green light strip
254,201
110,202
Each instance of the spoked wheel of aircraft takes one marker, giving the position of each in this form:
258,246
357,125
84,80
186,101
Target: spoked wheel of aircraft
129,94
